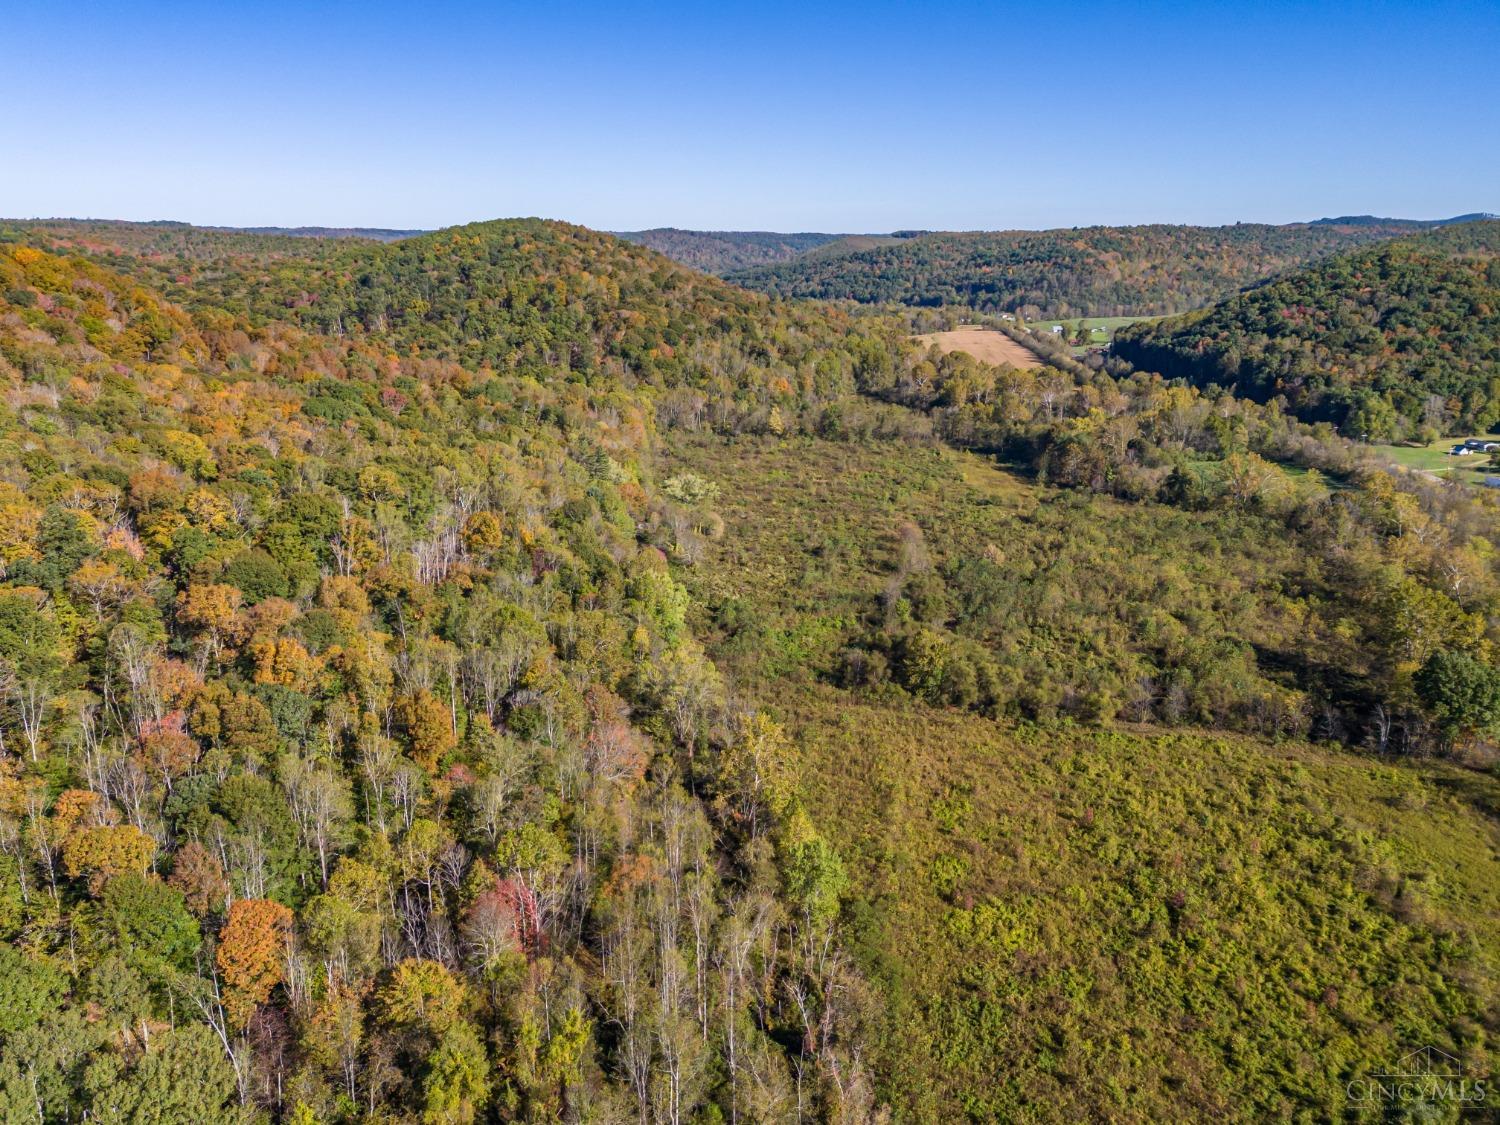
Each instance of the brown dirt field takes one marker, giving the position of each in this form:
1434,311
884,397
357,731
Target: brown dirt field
984,344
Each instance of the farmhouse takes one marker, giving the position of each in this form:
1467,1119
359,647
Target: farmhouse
1460,451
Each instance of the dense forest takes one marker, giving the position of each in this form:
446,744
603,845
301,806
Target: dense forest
358,761
160,235
1393,342
1091,271
505,675
720,251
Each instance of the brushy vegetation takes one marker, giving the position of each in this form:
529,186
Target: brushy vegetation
1071,925
1065,923
1300,608
1397,342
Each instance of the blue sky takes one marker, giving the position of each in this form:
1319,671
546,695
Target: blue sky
834,116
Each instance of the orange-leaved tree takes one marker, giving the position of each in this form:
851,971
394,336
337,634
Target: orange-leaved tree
252,949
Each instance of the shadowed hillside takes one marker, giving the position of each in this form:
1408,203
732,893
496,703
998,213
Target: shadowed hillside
1397,341
720,251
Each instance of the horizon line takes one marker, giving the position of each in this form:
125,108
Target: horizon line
275,228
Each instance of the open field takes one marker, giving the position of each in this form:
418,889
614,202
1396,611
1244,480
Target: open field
1101,328
1098,324
1038,904
984,344
1434,458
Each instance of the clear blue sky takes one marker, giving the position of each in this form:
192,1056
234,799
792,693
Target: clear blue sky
804,116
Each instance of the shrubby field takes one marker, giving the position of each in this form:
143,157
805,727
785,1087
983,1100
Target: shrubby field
1066,921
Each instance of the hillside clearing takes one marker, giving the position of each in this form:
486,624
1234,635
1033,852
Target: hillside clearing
984,344
1435,458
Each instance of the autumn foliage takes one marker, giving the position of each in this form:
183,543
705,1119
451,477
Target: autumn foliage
251,954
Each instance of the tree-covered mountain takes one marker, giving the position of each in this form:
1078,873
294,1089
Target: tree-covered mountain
168,238
505,675
1388,342
521,296
357,758
1090,271
720,251
378,234
1377,221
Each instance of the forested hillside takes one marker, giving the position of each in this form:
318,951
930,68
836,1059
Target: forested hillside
505,675
1091,271
171,239
720,251
1393,342
357,758
379,234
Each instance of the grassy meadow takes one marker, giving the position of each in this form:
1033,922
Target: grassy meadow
1067,921
1435,458
1101,328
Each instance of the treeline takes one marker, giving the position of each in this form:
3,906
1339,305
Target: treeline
356,759
1397,342
158,240
1092,271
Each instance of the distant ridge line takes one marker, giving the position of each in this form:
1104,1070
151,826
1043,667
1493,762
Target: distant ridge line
1376,220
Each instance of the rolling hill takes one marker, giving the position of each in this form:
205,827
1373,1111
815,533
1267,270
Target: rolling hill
1388,342
1375,221
720,251
348,702
504,674
1091,271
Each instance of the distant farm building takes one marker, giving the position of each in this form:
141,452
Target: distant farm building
1479,445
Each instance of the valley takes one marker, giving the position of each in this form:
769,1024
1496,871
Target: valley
721,564
502,667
